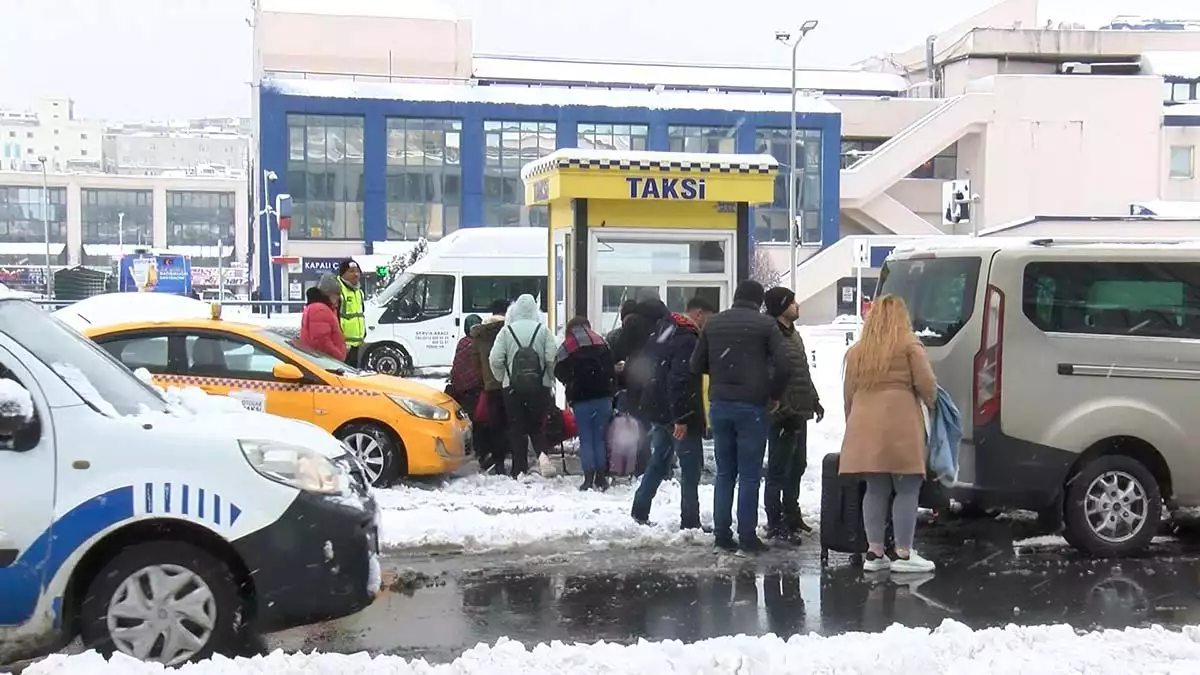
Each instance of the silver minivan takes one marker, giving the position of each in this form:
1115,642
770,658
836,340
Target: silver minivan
1076,365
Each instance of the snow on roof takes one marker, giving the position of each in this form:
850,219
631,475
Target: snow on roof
646,157
1163,209
113,308
1172,64
1182,110
548,70
389,9
450,93
491,241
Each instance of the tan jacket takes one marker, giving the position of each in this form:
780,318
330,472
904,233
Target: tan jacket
885,429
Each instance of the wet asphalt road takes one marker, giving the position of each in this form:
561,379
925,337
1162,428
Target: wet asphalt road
444,605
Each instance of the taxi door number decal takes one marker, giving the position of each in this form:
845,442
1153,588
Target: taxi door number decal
250,400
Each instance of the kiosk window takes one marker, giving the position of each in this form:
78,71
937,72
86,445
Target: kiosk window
480,292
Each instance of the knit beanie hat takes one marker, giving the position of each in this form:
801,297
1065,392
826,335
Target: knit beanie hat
470,322
777,300
329,285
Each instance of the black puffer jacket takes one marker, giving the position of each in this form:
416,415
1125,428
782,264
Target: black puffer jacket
674,395
636,330
741,351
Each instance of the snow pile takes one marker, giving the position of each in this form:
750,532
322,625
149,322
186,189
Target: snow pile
950,648
15,400
486,513
113,308
84,387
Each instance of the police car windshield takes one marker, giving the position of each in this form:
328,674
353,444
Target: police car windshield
325,361
97,377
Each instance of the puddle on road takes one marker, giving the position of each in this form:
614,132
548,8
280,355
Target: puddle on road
450,604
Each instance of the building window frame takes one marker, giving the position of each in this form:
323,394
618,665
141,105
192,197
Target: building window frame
325,176
702,139
619,137
200,218
771,222
23,214
942,166
424,177
508,146
1181,162
100,216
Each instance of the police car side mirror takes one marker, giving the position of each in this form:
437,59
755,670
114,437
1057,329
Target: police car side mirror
287,372
16,416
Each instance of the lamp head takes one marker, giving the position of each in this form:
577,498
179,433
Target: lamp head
808,26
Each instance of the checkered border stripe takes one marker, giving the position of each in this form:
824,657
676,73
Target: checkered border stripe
547,166
264,385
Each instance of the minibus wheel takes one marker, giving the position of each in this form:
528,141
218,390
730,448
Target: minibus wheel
163,601
1113,507
390,359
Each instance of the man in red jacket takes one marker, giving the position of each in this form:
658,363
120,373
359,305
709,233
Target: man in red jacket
320,329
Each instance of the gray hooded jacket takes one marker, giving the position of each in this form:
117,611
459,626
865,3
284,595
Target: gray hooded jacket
523,317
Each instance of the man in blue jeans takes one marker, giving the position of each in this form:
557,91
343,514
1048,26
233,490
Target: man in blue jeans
673,401
741,351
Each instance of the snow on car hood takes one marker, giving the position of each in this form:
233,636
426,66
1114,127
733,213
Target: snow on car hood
246,424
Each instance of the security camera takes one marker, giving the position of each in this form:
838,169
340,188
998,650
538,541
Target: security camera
783,36
272,176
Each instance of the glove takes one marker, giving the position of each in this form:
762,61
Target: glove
819,410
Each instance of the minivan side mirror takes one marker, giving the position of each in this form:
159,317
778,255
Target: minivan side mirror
287,372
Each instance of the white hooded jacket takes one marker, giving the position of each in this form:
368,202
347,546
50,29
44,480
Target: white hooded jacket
523,317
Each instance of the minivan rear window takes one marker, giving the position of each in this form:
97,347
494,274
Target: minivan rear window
940,293
1152,299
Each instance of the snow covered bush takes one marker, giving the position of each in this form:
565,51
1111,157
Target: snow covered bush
401,262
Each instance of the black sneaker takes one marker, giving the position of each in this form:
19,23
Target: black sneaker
780,535
641,520
684,527
726,545
753,547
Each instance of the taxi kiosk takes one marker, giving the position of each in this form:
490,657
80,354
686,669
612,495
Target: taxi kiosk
621,222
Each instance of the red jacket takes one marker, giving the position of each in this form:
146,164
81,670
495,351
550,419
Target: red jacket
320,331
466,374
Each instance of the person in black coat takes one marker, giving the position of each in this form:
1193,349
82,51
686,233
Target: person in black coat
741,351
585,366
673,402
630,350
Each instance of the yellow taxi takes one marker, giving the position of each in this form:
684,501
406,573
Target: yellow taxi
395,426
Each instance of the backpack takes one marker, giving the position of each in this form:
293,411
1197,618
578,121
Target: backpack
526,372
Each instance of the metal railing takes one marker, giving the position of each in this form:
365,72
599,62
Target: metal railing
265,307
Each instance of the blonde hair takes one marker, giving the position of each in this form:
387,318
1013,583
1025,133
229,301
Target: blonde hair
887,329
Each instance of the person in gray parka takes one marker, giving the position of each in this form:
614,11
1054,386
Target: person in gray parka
522,359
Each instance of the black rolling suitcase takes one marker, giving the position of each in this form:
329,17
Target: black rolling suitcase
841,512
842,527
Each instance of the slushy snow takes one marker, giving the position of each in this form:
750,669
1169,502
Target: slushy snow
15,400
950,648
488,513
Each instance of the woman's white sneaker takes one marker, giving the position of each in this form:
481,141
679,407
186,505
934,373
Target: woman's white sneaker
913,563
876,563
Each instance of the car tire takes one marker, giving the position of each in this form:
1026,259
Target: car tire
377,448
1129,504
194,595
390,359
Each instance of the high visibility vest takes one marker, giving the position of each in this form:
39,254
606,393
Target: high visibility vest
350,313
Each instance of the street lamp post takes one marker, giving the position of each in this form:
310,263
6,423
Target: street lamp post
787,38
121,234
46,227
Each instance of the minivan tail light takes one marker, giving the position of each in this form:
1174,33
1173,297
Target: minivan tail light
990,358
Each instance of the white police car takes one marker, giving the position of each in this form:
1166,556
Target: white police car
155,532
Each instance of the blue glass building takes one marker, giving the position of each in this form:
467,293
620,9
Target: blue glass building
371,162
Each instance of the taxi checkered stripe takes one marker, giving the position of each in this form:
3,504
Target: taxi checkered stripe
195,381
550,164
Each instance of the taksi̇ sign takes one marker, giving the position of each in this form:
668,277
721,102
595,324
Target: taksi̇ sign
649,187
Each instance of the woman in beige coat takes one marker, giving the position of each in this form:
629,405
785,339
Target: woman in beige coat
887,378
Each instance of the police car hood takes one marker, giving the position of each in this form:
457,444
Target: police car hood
250,425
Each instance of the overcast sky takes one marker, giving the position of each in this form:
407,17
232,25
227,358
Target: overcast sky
154,59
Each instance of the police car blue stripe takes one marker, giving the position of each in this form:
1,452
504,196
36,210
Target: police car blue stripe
183,498
21,582
200,505
216,509
149,497
167,497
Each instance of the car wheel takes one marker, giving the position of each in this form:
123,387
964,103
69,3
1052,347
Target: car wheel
1113,507
389,359
165,601
382,456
